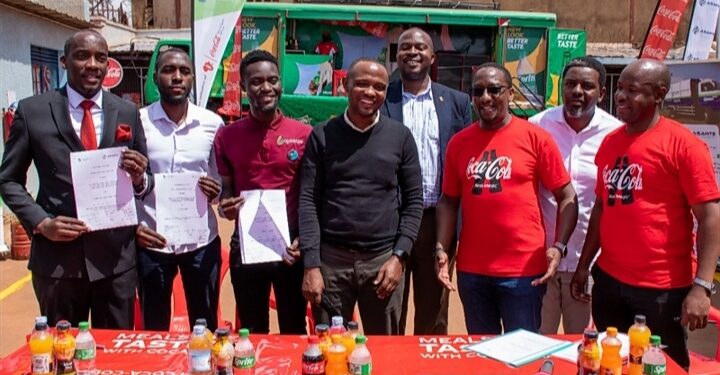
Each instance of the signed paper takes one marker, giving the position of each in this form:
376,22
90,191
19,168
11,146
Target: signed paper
518,347
182,208
263,226
104,195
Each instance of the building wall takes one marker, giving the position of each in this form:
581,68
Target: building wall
165,13
610,21
75,8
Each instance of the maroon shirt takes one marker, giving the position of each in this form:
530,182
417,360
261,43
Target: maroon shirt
264,157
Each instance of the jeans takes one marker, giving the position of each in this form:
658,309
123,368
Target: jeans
200,272
615,304
490,300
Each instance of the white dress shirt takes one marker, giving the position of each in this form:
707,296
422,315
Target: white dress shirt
176,148
420,117
77,112
578,151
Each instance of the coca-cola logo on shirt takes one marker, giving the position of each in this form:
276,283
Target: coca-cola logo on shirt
622,180
673,15
488,171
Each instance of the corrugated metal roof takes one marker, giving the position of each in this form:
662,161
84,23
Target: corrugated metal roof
45,12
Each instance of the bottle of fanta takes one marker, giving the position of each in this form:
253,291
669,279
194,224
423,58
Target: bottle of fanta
348,339
611,362
589,354
639,342
336,357
223,352
41,350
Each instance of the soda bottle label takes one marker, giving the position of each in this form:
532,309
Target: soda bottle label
223,370
313,368
42,363
360,369
82,354
635,359
611,371
65,366
244,362
200,360
649,369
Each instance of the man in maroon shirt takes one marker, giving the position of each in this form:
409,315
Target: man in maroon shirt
263,151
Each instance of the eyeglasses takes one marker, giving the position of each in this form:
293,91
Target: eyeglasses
492,90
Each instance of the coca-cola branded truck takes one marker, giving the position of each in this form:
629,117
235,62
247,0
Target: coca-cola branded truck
527,43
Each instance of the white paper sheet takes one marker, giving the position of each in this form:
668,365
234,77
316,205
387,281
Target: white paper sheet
518,347
104,195
570,353
181,208
263,226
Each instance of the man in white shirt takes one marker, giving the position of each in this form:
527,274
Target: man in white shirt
578,127
179,139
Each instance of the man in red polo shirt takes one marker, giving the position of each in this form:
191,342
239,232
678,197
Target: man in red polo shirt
654,175
263,151
493,169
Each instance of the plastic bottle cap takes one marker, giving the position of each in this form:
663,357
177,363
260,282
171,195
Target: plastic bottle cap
84,325
353,325
244,332
201,321
198,329
337,320
590,334
321,328
41,319
221,332
640,319
360,339
313,339
611,331
655,340
63,325
41,326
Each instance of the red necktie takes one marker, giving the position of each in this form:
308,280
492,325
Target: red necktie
87,129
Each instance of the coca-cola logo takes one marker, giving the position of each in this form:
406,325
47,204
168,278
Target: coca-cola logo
114,74
663,34
652,52
627,178
497,169
208,66
673,15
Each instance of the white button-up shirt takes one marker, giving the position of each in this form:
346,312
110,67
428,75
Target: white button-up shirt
77,112
420,117
177,148
578,150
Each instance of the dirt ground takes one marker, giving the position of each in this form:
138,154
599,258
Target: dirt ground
18,307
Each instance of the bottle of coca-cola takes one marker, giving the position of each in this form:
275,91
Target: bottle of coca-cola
628,186
313,360
613,183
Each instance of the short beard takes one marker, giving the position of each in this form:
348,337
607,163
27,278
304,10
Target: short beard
173,100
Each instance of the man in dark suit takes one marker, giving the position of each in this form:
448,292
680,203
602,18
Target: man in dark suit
75,271
434,113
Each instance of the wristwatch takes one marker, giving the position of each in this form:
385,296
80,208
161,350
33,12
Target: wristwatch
562,247
707,285
401,254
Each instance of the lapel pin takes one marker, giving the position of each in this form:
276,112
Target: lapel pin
293,155
441,99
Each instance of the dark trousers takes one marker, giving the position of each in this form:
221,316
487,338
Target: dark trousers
251,284
109,301
200,272
429,296
615,304
348,277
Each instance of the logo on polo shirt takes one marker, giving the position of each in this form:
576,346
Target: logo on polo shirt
289,141
622,180
489,171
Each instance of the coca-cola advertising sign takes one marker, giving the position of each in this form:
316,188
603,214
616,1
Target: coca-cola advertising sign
664,26
114,74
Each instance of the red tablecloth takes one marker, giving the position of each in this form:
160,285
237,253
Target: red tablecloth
162,353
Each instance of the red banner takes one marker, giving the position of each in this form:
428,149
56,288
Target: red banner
664,25
233,93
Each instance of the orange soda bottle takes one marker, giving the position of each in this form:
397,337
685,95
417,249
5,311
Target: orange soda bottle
336,357
41,350
589,354
611,362
348,338
639,342
323,333
64,349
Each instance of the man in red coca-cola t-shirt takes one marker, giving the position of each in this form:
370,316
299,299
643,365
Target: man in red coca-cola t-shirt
654,175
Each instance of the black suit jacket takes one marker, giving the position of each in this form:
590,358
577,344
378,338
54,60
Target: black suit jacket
43,133
452,107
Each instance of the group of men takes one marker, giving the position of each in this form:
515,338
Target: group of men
381,195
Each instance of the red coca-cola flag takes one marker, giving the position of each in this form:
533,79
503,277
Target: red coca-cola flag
233,93
664,25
